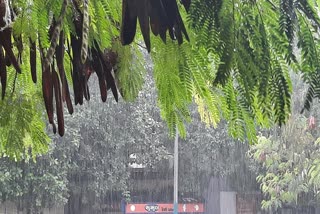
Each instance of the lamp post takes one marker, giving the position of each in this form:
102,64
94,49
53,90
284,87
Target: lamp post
175,174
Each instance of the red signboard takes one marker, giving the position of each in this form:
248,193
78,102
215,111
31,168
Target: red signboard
163,208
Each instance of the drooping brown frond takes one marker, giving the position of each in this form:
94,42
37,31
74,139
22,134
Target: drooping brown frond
98,68
3,72
129,22
86,56
162,15
108,69
58,99
59,59
2,13
47,90
33,60
6,42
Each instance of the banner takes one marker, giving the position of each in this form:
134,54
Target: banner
163,208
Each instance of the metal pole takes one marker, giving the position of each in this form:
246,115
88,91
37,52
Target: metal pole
175,176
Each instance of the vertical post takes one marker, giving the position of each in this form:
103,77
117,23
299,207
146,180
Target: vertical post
175,176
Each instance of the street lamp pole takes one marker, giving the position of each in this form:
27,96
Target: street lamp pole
175,176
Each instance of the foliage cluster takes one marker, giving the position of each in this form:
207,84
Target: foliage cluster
235,66
289,173
90,164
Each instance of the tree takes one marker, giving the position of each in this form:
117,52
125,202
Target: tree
33,186
235,65
288,158
290,173
88,169
104,142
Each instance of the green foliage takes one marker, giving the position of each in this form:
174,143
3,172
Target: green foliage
290,172
235,67
172,94
34,185
310,61
184,73
256,43
22,128
23,131
130,71
288,157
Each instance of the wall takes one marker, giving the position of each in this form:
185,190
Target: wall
228,203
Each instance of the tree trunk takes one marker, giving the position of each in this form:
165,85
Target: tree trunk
74,204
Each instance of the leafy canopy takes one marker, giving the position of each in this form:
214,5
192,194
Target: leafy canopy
235,66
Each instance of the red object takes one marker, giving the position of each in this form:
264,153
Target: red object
163,208
262,157
312,122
